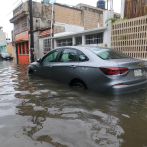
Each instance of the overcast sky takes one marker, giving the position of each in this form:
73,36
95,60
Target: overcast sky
8,5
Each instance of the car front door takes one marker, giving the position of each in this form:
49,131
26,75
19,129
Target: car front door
67,65
47,63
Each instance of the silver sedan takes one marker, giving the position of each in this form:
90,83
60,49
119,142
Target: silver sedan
92,67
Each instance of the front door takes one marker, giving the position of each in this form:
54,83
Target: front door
67,65
47,64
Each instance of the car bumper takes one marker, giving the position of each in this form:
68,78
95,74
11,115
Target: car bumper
122,89
7,58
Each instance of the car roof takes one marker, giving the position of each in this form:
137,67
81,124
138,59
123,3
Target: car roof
83,47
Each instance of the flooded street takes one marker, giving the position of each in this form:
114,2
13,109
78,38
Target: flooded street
37,112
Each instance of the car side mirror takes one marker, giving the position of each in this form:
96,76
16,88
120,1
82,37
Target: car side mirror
83,58
39,60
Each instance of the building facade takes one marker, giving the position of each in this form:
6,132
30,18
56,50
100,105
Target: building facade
67,20
134,43
9,48
21,20
3,43
75,26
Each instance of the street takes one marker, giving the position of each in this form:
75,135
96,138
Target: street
37,112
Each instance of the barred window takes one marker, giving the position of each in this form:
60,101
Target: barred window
94,38
64,42
21,25
24,24
47,45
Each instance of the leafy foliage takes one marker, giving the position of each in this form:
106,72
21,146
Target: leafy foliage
114,19
122,19
120,36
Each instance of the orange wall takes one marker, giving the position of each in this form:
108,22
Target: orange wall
23,35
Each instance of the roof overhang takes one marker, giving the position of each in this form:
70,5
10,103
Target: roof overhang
15,18
87,32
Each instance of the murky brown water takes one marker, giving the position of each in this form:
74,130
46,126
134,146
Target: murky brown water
37,112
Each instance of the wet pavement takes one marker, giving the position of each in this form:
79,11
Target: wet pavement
37,112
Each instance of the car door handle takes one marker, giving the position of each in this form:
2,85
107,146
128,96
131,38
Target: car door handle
72,66
50,66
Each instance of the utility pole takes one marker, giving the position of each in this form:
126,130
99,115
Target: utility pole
52,21
31,32
107,4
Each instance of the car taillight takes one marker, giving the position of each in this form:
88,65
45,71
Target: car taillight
119,84
113,70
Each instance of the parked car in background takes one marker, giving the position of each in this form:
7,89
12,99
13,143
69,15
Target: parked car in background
92,67
5,55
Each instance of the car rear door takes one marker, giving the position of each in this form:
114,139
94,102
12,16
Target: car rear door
67,64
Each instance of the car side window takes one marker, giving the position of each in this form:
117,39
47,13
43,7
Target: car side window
51,57
68,55
82,57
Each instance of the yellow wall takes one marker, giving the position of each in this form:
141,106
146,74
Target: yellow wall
9,48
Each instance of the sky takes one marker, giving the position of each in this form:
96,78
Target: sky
7,7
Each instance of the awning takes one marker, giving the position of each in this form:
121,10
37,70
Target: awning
45,32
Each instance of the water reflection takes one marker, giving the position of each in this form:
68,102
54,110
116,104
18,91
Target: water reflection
43,112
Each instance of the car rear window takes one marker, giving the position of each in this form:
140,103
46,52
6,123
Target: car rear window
107,54
5,53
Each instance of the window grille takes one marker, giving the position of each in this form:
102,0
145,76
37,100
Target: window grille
94,38
19,48
64,42
27,48
79,40
47,45
21,25
23,48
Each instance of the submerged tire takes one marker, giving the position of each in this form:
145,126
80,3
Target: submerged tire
31,72
80,85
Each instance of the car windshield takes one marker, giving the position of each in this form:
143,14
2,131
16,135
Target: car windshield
107,54
5,53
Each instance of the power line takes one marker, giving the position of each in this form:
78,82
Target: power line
15,2
7,15
10,11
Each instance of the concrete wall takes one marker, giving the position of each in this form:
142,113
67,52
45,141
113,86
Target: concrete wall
9,48
68,15
107,33
41,14
134,44
41,51
91,20
83,15
62,27
22,7
2,37
36,44
14,51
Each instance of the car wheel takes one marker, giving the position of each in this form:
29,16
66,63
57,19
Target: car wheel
79,85
31,72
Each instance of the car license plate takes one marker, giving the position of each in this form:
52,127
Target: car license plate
8,58
138,73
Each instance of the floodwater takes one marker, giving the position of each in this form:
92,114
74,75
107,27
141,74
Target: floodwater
37,112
